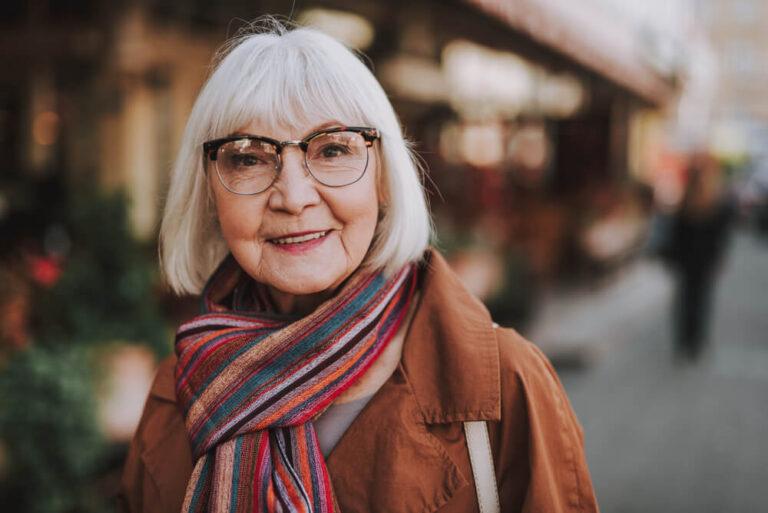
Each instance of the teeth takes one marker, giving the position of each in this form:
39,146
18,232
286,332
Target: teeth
301,238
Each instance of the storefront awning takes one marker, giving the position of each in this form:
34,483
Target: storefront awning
586,35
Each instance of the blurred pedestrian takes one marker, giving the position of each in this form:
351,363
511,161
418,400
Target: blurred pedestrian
697,244
338,363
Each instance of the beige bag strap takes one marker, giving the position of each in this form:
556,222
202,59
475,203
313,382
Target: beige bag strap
481,458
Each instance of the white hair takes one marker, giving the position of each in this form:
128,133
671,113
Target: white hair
288,78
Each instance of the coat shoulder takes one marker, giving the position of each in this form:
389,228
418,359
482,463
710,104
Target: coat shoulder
539,426
529,380
523,359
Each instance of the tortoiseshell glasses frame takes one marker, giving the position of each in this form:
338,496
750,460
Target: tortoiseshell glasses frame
250,164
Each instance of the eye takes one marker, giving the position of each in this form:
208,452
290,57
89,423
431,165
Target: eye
245,160
334,150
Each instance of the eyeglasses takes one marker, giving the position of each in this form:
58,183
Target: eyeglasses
250,164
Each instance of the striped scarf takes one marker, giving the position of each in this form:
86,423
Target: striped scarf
250,380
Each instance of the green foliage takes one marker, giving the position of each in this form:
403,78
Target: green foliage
51,438
53,450
107,290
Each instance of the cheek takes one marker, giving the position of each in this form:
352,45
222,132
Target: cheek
362,227
238,219
362,216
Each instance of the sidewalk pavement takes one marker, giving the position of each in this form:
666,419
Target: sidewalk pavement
575,329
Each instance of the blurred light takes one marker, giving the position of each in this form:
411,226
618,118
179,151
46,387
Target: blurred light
128,372
481,271
352,29
45,128
414,78
449,137
485,82
560,96
482,145
729,140
612,237
529,150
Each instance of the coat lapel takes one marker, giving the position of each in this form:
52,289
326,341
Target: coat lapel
451,356
388,460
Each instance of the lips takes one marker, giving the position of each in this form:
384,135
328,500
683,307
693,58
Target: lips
299,238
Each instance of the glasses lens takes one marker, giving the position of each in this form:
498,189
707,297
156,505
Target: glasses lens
246,166
337,158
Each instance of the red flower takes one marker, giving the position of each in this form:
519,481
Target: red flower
45,271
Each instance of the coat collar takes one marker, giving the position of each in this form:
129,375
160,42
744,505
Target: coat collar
449,373
164,386
450,356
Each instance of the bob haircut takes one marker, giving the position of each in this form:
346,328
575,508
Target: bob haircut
288,78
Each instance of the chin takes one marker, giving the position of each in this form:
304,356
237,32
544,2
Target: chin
302,285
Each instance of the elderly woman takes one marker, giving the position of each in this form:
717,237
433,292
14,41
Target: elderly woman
338,364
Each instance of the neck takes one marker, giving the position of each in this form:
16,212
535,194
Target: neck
301,305
381,369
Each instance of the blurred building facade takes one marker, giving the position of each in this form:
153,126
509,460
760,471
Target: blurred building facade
737,29
536,118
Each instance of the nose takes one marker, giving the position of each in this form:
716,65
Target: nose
295,189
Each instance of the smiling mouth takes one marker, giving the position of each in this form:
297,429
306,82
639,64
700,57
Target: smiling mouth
297,239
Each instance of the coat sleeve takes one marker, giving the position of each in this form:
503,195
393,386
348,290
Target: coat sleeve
539,442
159,460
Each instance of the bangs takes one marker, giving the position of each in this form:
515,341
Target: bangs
284,86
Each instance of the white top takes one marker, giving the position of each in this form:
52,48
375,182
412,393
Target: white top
334,421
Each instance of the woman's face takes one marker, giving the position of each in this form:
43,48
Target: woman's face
300,238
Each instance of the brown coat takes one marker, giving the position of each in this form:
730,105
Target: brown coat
406,450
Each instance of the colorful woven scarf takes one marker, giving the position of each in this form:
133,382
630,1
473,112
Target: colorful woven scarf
250,380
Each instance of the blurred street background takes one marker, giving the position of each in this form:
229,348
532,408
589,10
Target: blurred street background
662,436
598,174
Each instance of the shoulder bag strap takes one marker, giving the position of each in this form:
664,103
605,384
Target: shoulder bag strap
481,458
